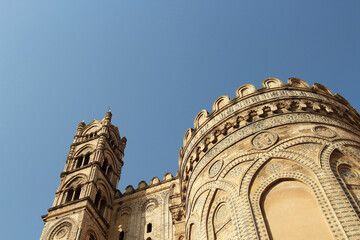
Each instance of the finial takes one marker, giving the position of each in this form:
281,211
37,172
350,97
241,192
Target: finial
80,127
109,110
108,115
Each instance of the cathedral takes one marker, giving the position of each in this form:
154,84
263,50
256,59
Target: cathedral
280,162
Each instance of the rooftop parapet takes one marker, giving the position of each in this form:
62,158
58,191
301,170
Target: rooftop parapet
252,105
155,181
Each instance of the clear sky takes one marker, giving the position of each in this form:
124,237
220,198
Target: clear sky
156,63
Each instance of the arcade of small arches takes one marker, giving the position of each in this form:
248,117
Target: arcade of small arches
344,168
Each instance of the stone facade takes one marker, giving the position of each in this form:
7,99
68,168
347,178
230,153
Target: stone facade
279,162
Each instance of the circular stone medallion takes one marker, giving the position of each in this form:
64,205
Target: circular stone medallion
61,233
264,140
324,131
215,168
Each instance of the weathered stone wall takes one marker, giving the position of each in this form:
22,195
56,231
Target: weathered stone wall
148,204
263,163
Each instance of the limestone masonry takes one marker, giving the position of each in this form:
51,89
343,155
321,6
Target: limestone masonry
280,162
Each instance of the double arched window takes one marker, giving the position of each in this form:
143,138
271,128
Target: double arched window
72,194
81,161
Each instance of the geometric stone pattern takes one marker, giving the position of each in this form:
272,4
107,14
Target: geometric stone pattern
230,162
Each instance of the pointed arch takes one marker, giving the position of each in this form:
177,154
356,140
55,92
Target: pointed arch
77,180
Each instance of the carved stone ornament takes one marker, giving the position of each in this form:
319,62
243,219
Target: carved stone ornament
215,168
324,132
274,168
61,232
264,140
150,207
236,171
347,173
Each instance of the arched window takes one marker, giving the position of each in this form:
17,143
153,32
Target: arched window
122,235
91,237
149,238
102,206
86,159
79,161
109,172
149,228
104,166
97,199
77,193
69,195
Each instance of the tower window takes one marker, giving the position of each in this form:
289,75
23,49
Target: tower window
69,196
86,160
97,199
77,193
149,228
104,166
109,172
122,235
79,162
92,237
102,206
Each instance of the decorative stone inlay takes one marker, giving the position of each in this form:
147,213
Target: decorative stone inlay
222,216
264,140
215,168
347,173
274,168
264,97
61,233
324,131
236,171
150,207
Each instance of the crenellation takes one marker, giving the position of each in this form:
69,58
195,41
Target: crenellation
266,162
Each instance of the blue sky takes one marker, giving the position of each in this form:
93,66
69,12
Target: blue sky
156,64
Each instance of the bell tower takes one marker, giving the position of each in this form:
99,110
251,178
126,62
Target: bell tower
83,202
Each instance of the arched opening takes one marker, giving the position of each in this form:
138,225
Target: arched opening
149,238
77,193
149,228
102,206
86,159
91,237
291,211
79,161
109,173
122,235
97,199
104,166
69,195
